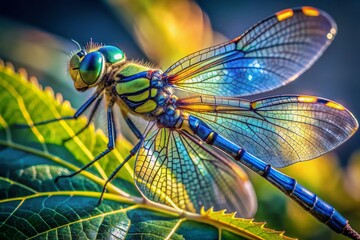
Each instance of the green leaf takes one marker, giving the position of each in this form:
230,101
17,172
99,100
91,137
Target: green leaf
33,206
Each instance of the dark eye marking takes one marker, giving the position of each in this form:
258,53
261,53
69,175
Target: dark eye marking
81,53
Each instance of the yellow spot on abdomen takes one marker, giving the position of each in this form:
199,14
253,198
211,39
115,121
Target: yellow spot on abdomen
210,137
308,99
335,105
284,14
147,107
310,11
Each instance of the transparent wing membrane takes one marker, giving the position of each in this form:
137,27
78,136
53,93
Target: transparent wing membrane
270,54
279,130
174,168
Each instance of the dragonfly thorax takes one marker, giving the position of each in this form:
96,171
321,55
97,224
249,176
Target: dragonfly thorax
146,94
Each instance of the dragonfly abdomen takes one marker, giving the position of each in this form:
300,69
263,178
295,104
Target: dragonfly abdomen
305,198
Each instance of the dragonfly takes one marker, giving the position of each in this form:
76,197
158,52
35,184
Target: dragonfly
201,130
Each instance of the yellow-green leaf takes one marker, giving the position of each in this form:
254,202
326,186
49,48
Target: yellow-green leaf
33,206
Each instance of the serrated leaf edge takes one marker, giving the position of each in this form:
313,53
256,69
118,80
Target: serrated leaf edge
231,217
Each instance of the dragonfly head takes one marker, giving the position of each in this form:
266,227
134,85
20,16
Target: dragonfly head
87,67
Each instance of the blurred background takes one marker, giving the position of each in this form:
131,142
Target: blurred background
36,35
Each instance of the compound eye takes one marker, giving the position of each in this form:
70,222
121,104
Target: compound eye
92,67
74,62
112,54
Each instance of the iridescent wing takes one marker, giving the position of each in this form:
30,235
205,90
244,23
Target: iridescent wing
272,53
176,169
280,130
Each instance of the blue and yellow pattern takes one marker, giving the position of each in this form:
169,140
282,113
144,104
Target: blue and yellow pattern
173,168
189,154
281,130
272,53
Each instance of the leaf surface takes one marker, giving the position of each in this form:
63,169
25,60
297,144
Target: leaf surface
33,206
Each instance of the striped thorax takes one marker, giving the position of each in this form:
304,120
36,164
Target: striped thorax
135,86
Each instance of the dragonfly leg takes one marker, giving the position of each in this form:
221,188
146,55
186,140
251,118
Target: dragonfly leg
113,174
131,125
93,111
75,116
110,146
